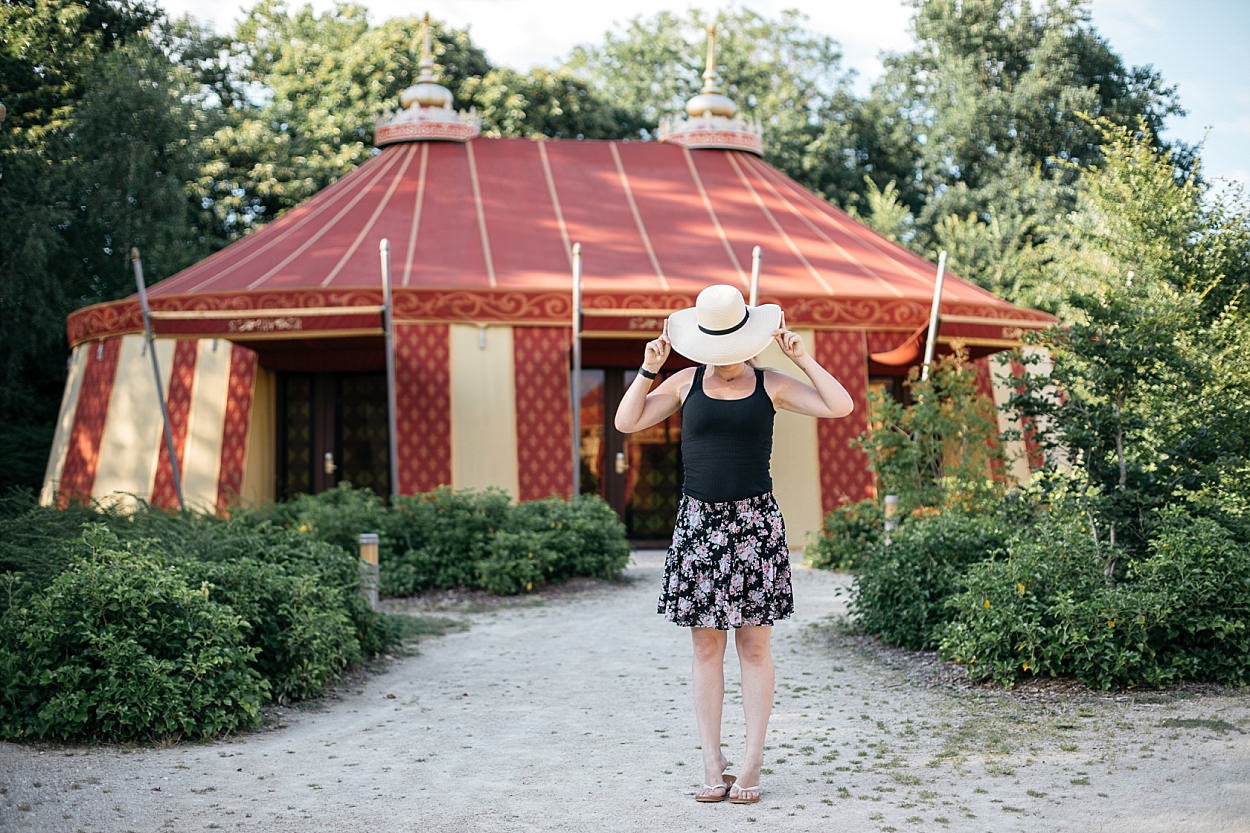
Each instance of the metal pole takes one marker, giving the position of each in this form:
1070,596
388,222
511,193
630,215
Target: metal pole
156,373
931,337
388,327
755,276
575,383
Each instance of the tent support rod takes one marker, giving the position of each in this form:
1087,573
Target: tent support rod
931,339
576,372
388,327
755,276
156,374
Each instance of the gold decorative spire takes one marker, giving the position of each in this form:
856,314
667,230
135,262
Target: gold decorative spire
426,112
712,120
710,100
427,92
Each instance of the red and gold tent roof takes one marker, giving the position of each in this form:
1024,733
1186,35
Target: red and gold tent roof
482,232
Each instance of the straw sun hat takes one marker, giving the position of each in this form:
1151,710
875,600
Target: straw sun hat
721,329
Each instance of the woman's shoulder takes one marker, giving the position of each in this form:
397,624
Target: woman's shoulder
683,380
774,380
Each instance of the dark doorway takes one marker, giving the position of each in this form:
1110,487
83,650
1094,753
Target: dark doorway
332,428
639,474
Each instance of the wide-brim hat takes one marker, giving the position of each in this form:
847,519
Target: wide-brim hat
721,329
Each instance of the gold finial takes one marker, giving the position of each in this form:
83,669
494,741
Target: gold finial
710,100
427,54
427,92
711,81
712,120
426,112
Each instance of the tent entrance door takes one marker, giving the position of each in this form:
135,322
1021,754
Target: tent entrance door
639,475
332,428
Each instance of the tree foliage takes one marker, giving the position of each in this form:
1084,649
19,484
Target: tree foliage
994,91
93,160
1145,393
940,449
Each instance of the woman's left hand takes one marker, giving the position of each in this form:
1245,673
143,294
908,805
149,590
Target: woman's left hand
791,343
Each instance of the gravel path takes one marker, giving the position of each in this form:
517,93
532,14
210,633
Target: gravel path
573,714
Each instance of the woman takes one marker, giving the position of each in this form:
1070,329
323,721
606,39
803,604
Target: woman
728,566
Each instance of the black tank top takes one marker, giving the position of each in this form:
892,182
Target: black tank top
726,444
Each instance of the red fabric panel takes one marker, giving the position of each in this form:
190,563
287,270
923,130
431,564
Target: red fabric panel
83,455
844,473
423,406
178,404
240,392
544,415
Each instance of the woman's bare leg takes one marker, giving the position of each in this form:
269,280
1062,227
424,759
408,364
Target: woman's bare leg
755,657
709,698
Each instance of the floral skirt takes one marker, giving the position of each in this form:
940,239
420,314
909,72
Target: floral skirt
728,565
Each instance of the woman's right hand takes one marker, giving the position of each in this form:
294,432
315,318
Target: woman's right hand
657,351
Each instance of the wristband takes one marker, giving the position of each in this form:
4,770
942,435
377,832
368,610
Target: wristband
646,374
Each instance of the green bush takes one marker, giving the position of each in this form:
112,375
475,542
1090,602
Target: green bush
304,635
583,536
847,535
902,590
337,516
516,562
121,647
300,596
1180,612
37,542
434,540
445,539
268,602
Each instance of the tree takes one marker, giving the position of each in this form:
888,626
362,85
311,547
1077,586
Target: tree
1146,394
940,450
82,89
995,90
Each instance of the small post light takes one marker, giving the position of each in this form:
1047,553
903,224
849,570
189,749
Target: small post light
369,567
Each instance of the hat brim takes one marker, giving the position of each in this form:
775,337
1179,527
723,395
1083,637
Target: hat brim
747,342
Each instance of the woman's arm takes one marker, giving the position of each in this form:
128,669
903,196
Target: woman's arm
642,407
824,397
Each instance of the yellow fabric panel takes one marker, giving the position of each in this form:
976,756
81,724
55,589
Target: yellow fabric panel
260,465
1013,450
201,459
65,423
795,465
130,445
483,409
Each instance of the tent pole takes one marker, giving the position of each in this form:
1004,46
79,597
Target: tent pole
388,327
931,338
575,381
156,373
755,276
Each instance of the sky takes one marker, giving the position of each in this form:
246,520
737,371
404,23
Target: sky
1198,45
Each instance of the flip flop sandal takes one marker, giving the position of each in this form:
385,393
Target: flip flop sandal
738,799
727,785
